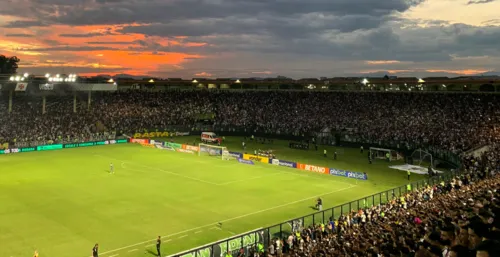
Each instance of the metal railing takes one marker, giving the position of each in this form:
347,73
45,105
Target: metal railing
248,242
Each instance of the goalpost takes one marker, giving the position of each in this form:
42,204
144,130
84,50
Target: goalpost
381,153
422,158
214,150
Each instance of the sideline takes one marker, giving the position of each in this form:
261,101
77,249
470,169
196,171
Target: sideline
230,219
267,168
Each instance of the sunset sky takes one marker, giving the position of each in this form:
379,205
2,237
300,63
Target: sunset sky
253,38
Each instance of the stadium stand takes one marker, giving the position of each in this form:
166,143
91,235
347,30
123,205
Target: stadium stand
447,219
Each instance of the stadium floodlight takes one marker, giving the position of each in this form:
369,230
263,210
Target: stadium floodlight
11,78
365,81
47,75
57,75
195,81
444,85
151,81
26,75
18,78
111,80
50,79
237,81
421,81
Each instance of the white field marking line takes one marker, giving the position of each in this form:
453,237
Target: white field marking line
196,232
168,240
231,219
228,231
114,255
144,246
225,165
133,250
162,170
183,236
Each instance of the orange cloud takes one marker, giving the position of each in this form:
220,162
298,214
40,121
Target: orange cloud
381,62
203,74
93,47
460,72
388,71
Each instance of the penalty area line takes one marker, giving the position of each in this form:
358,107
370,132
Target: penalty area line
231,219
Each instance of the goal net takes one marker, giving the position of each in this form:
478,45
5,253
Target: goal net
382,153
422,158
213,150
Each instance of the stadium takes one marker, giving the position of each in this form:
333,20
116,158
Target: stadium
246,167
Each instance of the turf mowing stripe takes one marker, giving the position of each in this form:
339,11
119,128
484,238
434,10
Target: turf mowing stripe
165,171
244,180
230,219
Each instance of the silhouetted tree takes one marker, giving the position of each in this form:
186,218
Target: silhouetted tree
8,65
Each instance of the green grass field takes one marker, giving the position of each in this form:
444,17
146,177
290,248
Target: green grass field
62,202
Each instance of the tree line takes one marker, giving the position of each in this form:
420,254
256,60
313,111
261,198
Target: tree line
8,65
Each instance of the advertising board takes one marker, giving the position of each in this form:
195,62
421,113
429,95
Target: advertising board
313,168
62,146
255,158
236,155
190,147
173,145
233,246
283,163
245,161
180,150
348,174
139,141
159,134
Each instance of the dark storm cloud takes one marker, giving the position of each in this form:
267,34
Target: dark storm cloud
107,32
19,35
302,26
67,48
25,24
161,11
111,43
333,34
480,2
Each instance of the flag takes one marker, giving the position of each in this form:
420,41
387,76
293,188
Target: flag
21,86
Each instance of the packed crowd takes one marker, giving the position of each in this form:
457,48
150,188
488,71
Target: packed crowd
452,121
455,218
458,218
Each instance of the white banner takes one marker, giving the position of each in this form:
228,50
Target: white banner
413,169
46,86
21,86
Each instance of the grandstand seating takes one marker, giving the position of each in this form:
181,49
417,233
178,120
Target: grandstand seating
458,216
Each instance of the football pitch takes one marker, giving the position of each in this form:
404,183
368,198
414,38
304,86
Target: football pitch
63,202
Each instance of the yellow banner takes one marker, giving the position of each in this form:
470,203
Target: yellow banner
159,134
255,158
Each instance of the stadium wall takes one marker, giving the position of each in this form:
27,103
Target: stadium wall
62,146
